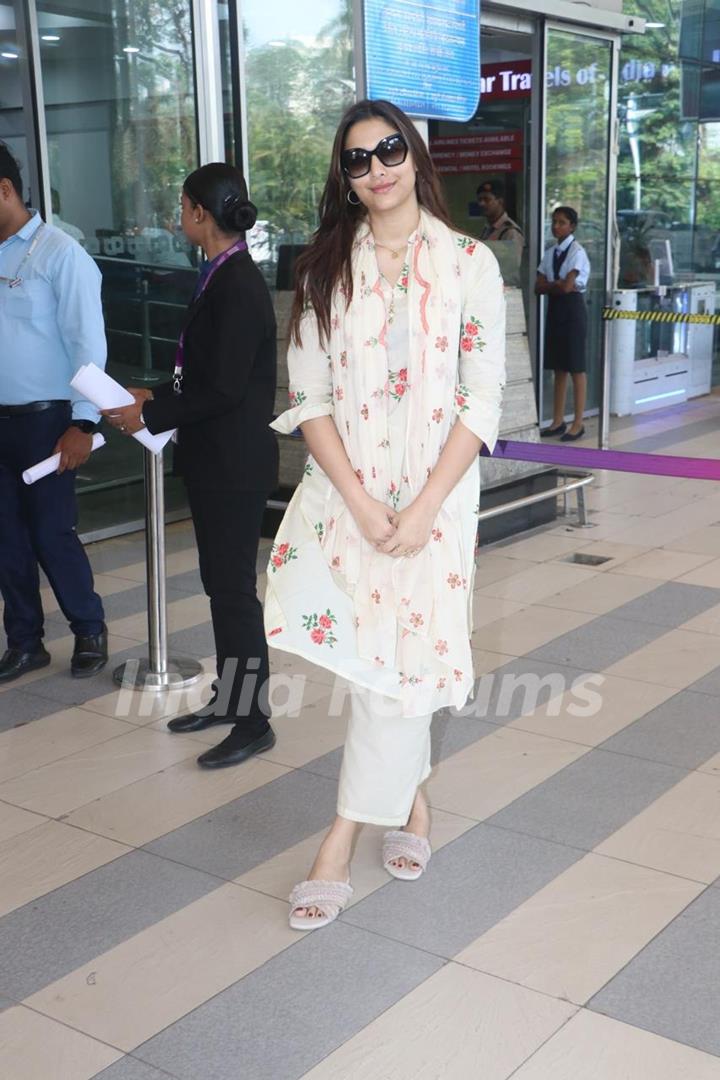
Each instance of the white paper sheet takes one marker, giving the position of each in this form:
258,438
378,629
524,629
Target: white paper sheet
104,392
50,464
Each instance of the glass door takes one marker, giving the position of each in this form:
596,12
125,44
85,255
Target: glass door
117,85
15,125
579,171
492,152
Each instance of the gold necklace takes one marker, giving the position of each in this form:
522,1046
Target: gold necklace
393,253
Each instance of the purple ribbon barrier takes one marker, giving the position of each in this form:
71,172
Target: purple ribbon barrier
579,457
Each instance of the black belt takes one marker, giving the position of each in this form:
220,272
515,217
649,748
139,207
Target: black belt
7,411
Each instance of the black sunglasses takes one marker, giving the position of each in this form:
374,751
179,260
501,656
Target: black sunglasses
391,151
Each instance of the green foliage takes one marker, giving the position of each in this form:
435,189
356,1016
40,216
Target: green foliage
666,142
153,134
577,125
296,94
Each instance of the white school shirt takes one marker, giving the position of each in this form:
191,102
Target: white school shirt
576,259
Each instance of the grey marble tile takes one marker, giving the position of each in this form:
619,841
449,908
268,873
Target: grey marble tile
287,1015
588,799
518,688
187,582
672,988
196,641
62,690
51,936
709,684
470,884
670,605
683,731
328,765
19,707
240,835
599,643
129,1068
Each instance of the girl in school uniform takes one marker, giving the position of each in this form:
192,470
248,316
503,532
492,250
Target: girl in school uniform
562,277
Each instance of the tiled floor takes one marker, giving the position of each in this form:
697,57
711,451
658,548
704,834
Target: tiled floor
568,927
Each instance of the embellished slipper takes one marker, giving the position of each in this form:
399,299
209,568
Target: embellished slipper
331,897
405,845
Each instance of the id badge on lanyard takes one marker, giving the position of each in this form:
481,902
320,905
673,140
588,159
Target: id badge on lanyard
13,282
177,380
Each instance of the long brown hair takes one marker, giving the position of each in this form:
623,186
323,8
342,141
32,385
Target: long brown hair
327,262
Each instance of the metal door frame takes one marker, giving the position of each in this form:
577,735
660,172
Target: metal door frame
613,38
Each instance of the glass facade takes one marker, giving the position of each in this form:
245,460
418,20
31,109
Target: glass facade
107,111
577,149
669,162
299,78
13,129
118,89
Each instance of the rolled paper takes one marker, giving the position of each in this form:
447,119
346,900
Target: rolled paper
50,464
104,392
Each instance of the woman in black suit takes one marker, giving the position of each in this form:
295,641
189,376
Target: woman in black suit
221,401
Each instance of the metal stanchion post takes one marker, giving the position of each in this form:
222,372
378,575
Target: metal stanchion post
147,374
146,343
158,672
604,417
582,509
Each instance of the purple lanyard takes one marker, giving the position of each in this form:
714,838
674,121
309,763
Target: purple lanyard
217,262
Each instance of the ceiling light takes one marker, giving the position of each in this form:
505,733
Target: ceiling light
9,55
50,37
654,25
131,49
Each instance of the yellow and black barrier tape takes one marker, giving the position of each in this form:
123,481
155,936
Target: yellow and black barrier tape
660,316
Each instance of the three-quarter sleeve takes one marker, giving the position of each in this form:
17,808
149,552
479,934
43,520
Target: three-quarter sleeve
481,375
310,378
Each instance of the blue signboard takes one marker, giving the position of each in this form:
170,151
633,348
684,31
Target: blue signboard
424,56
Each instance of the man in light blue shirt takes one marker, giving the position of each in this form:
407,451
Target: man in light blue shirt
50,324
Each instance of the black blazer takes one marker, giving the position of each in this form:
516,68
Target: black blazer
228,390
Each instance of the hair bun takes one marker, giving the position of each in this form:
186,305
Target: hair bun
239,214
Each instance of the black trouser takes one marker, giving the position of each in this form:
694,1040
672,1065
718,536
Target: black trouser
37,525
227,529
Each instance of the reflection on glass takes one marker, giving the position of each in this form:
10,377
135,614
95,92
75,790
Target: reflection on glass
299,79
669,161
120,118
576,163
13,126
489,156
227,30
118,82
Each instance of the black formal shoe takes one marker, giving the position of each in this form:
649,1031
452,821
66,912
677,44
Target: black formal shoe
15,662
90,654
567,437
232,750
197,721
549,432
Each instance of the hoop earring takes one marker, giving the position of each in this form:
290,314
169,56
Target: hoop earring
356,200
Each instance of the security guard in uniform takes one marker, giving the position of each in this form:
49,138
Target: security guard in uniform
50,324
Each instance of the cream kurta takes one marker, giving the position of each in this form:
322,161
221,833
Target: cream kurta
398,626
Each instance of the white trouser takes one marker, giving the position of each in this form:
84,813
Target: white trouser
386,758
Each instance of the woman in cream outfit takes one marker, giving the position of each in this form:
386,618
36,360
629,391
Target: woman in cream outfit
396,377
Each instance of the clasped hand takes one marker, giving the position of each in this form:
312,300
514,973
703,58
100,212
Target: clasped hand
128,419
395,533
